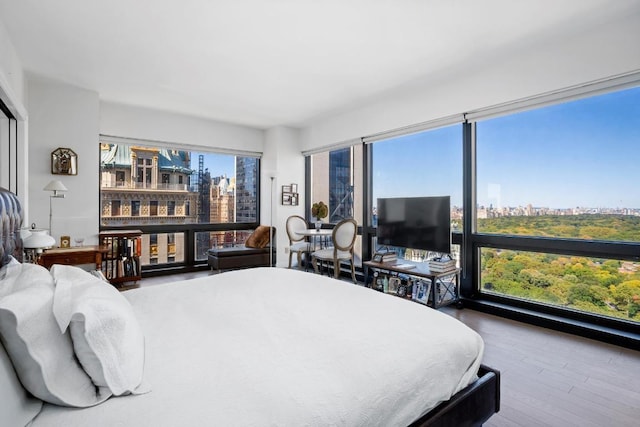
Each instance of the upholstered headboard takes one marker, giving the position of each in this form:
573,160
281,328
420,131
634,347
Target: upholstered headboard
10,222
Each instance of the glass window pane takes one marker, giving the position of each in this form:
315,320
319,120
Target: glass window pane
567,170
176,187
336,180
218,239
606,287
428,163
115,207
162,248
153,208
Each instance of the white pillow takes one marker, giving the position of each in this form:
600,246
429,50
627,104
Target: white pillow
42,356
17,407
8,275
107,337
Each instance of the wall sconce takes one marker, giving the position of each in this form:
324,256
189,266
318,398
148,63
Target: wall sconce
64,161
55,186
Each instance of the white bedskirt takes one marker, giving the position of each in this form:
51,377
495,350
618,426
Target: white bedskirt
277,347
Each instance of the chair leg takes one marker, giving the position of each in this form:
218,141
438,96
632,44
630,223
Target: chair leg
336,268
314,261
299,260
290,254
353,272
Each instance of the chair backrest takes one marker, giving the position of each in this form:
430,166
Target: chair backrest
295,223
344,234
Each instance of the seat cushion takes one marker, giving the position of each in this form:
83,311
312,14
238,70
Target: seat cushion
236,251
239,257
300,247
327,254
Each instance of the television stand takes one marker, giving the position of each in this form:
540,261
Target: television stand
444,287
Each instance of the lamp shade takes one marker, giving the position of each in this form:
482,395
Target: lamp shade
38,239
55,185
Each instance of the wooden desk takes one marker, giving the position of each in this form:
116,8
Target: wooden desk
421,270
73,256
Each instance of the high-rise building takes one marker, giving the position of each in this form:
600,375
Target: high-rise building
148,186
246,189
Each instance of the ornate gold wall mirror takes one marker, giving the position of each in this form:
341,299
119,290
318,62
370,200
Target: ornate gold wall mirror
64,161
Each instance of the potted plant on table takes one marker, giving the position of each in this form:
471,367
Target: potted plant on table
319,210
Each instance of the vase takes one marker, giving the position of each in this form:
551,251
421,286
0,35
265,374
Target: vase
318,225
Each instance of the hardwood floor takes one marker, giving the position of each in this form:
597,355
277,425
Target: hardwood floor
549,378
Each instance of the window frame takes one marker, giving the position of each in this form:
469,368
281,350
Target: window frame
587,324
604,327
188,231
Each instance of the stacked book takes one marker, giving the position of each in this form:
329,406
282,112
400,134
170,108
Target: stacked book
389,257
439,265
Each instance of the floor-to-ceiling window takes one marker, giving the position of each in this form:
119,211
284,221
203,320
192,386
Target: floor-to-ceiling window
336,179
426,163
185,202
561,183
545,203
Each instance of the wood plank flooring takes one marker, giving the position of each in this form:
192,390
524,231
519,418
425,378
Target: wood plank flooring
549,378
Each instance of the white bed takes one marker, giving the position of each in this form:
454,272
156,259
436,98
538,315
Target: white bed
285,348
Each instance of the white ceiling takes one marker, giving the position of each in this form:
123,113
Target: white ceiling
266,63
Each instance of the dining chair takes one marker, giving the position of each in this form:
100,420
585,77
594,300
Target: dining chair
343,237
297,242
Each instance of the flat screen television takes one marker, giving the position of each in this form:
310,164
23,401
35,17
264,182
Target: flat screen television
415,222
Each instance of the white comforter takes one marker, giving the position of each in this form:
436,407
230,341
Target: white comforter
276,347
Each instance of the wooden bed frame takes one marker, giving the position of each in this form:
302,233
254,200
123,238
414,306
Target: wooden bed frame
471,406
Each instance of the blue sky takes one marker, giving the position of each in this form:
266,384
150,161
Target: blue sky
582,153
218,164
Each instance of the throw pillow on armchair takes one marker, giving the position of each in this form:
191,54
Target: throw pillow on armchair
259,238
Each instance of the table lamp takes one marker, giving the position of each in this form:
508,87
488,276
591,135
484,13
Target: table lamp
36,242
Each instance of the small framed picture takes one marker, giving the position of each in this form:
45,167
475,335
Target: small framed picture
294,199
378,281
65,241
287,199
394,284
294,188
286,189
421,291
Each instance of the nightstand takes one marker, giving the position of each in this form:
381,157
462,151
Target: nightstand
73,256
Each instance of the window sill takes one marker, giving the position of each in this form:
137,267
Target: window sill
585,329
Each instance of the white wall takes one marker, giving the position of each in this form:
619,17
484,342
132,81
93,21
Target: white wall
282,160
155,125
61,115
12,90
604,51
11,72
